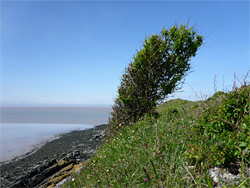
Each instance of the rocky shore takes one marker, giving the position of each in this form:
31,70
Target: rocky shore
54,161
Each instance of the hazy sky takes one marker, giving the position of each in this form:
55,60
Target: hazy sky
74,52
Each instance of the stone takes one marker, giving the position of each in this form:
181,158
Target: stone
76,153
222,176
99,135
51,163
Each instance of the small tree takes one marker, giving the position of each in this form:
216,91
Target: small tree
155,72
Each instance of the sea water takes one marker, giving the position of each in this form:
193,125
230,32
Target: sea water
24,128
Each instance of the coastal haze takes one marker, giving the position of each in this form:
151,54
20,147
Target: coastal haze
22,129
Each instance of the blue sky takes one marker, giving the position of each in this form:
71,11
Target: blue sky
74,52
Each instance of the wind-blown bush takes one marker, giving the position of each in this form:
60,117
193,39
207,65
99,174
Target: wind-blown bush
155,72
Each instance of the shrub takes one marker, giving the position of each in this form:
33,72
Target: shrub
226,126
172,112
156,71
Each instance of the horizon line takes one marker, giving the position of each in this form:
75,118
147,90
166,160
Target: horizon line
52,105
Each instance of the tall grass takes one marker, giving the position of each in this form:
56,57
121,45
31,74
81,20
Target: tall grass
155,153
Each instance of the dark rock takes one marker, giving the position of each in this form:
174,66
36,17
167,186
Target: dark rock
19,183
70,156
63,155
76,153
37,168
99,135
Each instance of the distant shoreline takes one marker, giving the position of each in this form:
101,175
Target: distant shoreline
38,146
20,139
57,148
33,150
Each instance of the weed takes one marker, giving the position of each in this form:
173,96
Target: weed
177,148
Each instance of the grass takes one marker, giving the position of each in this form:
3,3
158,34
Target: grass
152,153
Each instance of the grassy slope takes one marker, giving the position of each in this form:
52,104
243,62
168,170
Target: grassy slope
151,153
183,106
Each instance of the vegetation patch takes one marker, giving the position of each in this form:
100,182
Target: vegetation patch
224,123
179,143
157,70
173,150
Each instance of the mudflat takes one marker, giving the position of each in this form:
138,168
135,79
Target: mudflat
76,146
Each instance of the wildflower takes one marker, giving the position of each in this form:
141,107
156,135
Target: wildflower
186,132
73,179
146,179
124,184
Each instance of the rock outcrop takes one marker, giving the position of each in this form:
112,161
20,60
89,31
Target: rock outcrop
49,173
54,162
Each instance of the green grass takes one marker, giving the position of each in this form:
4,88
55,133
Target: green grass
184,107
152,153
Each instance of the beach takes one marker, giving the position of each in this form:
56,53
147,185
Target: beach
17,139
73,147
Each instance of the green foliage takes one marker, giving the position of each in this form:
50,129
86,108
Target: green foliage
224,122
156,153
185,108
217,96
148,154
156,71
173,112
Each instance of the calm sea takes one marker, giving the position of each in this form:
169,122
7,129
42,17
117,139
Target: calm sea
24,128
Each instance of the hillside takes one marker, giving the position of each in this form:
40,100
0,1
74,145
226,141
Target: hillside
175,149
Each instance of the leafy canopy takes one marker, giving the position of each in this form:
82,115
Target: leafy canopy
155,72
